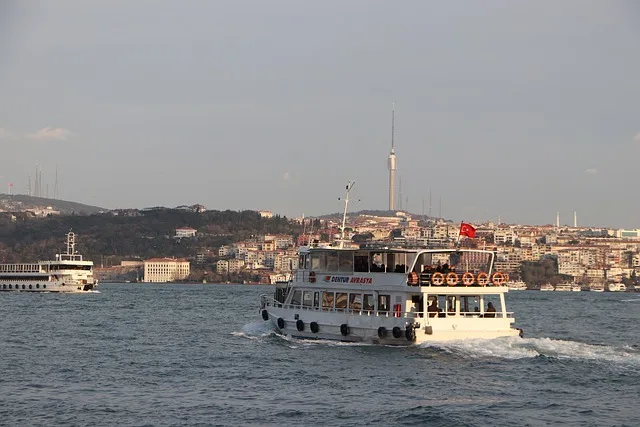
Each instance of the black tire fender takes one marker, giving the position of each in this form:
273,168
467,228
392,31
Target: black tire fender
344,329
410,333
314,327
397,332
382,332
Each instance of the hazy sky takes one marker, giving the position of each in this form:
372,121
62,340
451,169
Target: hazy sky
510,108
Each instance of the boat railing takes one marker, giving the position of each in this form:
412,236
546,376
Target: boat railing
268,301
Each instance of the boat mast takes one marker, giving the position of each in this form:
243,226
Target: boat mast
344,215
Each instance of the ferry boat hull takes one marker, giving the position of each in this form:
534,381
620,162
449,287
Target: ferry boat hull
397,330
45,286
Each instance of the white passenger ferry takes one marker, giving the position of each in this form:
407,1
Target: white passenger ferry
67,273
517,285
391,296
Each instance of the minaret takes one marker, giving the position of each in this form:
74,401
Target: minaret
557,219
575,219
392,163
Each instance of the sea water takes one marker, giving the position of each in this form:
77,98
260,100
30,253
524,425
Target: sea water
171,355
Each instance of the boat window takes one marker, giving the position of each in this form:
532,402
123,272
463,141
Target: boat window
377,264
318,261
361,262
295,299
327,300
383,302
346,262
341,300
316,299
451,305
398,261
368,302
301,260
332,261
307,298
355,301
469,305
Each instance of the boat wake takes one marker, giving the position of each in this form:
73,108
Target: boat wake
516,348
255,331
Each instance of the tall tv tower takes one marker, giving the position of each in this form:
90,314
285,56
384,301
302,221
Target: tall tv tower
392,162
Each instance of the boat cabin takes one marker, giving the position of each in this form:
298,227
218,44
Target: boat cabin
431,283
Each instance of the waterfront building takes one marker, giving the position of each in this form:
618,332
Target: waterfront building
160,270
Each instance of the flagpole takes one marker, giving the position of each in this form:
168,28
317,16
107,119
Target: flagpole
458,241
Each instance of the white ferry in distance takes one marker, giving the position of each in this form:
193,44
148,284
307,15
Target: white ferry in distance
517,285
546,287
67,273
395,296
563,287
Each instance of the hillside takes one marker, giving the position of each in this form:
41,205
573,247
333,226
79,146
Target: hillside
22,202
132,233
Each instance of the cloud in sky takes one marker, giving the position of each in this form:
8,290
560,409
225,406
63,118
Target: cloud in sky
591,171
51,134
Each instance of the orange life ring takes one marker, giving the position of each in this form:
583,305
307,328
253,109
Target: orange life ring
467,279
483,279
412,279
497,278
452,279
437,279
312,277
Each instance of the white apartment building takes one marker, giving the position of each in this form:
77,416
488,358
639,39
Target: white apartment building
628,234
161,270
185,232
283,241
571,268
504,235
285,263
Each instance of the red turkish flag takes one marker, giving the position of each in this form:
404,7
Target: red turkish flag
467,230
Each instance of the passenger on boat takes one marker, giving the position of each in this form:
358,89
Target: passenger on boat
491,310
439,267
445,268
433,309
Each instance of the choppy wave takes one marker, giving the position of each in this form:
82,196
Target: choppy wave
515,348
